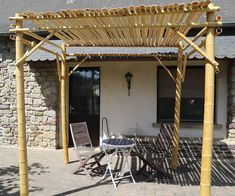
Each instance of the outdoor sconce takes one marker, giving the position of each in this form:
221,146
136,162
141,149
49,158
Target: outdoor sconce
128,77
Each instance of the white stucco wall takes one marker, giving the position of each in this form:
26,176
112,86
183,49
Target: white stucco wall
136,113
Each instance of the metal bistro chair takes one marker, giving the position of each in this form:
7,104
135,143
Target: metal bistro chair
85,151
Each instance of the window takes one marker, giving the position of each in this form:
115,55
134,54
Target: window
192,96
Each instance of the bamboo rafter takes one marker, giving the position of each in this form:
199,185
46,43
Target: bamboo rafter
197,6
148,26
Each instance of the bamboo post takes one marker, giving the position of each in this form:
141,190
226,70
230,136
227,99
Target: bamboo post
208,123
63,95
23,163
175,140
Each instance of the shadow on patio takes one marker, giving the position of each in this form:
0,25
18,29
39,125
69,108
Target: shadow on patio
189,167
9,178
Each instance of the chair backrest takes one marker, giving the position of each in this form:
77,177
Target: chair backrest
80,134
165,136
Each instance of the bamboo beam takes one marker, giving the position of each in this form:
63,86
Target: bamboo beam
63,95
207,57
27,54
166,69
201,33
23,162
202,44
121,26
41,39
29,43
116,26
26,42
208,122
74,69
126,54
175,139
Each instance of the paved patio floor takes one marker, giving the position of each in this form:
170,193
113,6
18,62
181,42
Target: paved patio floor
49,176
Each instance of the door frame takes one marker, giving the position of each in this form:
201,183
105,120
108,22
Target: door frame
71,66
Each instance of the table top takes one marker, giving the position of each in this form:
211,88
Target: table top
119,143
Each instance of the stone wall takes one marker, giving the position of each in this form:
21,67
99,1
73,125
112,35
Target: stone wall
41,100
231,101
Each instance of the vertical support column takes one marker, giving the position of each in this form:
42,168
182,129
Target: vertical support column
175,139
63,95
23,162
208,123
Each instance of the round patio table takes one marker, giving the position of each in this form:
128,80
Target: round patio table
123,146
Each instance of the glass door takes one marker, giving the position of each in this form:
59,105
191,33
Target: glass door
84,100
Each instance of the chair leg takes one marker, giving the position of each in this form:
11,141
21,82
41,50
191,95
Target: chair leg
83,167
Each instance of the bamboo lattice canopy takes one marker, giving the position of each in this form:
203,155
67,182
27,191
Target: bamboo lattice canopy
148,26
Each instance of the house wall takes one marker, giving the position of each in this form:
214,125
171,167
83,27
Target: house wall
41,101
136,113
126,114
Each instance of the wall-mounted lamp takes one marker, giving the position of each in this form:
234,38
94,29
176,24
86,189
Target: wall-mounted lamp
128,77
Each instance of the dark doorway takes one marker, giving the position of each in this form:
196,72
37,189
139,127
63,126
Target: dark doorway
84,100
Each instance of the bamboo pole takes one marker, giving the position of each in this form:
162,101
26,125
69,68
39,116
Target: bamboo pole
58,67
63,95
198,49
175,139
23,163
185,58
75,68
200,34
166,69
208,123
41,39
23,58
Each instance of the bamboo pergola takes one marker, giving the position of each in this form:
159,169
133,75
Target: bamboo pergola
141,26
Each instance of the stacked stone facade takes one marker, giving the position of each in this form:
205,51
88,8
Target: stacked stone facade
231,101
41,100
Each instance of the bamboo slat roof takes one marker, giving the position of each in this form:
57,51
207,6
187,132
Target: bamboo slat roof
147,26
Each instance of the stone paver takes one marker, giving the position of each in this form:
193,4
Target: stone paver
49,176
